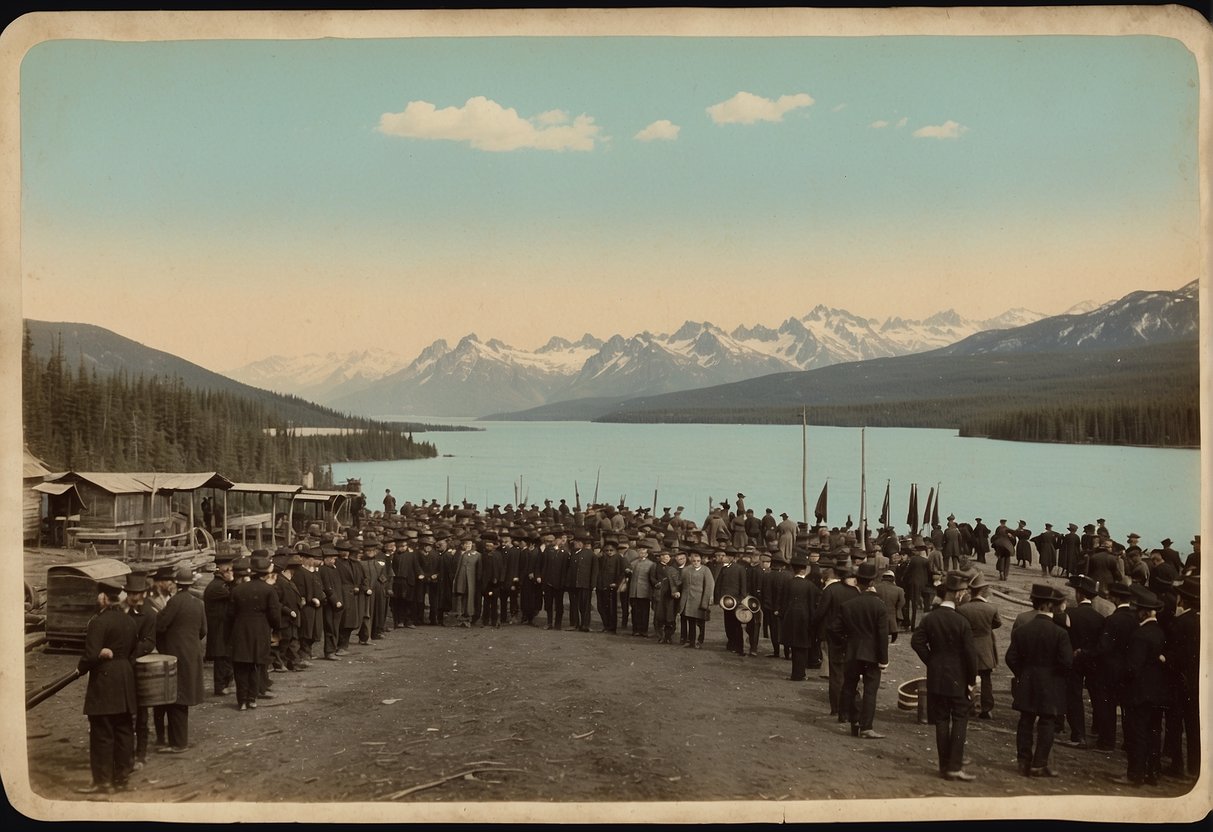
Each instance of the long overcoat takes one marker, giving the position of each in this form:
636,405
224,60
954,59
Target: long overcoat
111,682
180,629
254,617
1040,656
984,619
215,599
697,589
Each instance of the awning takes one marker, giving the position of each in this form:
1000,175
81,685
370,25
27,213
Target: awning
55,488
113,483
265,488
185,482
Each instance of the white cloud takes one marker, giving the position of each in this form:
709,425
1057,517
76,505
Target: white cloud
879,124
747,108
840,106
662,129
948,130
903,122
486,125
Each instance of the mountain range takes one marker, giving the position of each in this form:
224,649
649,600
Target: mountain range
476,378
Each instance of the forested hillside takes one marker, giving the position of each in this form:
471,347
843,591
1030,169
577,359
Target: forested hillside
80,420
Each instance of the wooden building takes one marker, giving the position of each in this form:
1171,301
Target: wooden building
33,473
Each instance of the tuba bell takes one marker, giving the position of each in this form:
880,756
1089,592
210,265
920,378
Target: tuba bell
728,602
751,603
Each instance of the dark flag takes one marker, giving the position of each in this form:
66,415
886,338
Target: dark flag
912,514
926,515
576,495
884,509
820,510
935,508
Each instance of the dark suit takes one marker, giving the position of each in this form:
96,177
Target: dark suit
109,699
145,643
1111,654
1183,659
552,561
944,642
916,579
1086,625
862,626
255,614
832,599
215,600
798,605
732,581
610,573
180,630
1147,694
1040,656
333,589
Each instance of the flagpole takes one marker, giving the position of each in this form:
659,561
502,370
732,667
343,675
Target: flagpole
804,464
863,489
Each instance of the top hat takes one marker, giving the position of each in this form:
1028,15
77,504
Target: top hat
136,582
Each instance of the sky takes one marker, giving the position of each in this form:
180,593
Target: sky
227,200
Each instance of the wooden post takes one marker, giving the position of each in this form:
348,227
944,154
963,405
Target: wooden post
804,464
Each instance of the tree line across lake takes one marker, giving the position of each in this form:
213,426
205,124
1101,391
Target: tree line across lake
78,420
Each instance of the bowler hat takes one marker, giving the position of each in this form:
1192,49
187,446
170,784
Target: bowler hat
955,581
799,560
260,565
184,576
842,569
1189,588
1166,541
165,573
1084,584
1041,592
240,567
1120,590
866,572
1144,599
294,560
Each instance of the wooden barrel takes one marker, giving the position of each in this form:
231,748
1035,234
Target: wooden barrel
156,680
908,694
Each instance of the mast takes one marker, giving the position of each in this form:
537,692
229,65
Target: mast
863,489
804,464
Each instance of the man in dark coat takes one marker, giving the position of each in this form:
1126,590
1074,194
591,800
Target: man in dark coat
109,700
774,586
1104,567
511,556
1068,554
731,581
144,616
1111,652
944,643
490,579
550,578
1183,659
353,582
335,595
530,600
290,613
1040,656
1146,693
862,627
981,540
1047,544
610,573
894,598
180,630
917,585
255,614
215,600
311,617
1085,625
798,604
839,589
579,579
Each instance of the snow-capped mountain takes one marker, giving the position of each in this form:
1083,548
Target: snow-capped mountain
477,377
319,377
1137,319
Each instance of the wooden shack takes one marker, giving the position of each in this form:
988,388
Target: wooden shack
71,600
33,473
116,506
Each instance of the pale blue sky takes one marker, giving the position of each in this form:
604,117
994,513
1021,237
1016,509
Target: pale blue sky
251,178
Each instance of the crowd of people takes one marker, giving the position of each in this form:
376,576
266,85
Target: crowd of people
1127,640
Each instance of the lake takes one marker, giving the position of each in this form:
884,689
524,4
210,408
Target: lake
1154,492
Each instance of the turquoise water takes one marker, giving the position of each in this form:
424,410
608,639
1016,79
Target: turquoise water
1154,492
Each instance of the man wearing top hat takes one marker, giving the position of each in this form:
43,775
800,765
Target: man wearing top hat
255,615
180,630
1040,657
944,643
137,584
839,590
550,578
862,627
1111,653
215,599
109,699
334,595
290,612
773,585
490,580
1068,553
610,573
1086,625
918,584
731,580
1146,693
798,605
311,617
983,620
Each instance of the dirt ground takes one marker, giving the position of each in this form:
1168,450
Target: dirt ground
552,717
